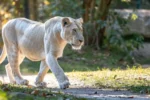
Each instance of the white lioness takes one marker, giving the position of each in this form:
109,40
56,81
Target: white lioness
43,42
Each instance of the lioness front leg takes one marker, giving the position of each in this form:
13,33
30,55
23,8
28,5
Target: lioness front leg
42,72
57,71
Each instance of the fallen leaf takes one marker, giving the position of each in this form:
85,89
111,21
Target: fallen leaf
44,94
35,92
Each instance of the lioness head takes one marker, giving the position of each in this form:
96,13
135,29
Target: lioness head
72,32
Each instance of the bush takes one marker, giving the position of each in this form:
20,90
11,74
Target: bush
116,37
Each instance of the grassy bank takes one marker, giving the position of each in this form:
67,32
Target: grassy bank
15,92
134,79
85,60
100,69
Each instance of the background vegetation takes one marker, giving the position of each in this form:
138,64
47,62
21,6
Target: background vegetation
106,50
94,12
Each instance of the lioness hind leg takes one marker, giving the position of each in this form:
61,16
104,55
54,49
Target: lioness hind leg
9,74
15,60
42,72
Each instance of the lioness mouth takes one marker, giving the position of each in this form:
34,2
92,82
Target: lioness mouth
76,47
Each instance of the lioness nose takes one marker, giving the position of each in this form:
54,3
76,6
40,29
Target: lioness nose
81,41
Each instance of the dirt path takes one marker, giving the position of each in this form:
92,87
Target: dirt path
78,89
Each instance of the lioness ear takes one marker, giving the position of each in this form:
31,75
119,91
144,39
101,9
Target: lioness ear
65,21
80,20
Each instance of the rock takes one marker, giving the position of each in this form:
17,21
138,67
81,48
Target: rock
141,25
142,52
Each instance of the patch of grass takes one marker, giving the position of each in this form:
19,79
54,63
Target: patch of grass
2,69
87,59
16,92
141,89
143,61
3,95
27,67
91,60
30,67
134,79
100,69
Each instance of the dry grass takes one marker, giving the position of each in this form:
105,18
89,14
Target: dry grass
135,79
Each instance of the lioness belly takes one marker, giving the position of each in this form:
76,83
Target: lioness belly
35,57
33,54
32,47
30,40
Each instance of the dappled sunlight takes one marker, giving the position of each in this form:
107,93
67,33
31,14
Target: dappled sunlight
105,82
116,79
42,41
3,95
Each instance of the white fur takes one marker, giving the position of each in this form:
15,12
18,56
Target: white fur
38,42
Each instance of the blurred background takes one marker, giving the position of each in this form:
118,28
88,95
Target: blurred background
117,32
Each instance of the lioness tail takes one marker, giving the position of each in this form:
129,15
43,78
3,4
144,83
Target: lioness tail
3,54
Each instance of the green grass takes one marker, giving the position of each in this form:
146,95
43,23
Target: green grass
92,60
143,61
8,92
134,79
100,69
85,60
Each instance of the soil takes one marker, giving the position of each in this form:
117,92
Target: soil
78,89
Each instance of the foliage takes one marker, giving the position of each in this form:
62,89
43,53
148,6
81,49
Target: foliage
69,8
92,30
3,95
118,34
94,13
131,4
10,10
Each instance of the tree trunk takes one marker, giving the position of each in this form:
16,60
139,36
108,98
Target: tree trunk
92,10
86,7
92,15
26,9
33,5
103,12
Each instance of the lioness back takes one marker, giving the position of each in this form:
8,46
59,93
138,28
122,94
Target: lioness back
28,35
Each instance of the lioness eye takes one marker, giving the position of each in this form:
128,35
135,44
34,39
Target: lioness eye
74,30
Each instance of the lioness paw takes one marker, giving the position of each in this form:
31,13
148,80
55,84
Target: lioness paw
13,82
64,85
41,85
23,82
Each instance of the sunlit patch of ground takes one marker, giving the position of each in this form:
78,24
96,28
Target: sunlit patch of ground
103,82
133,79
99,74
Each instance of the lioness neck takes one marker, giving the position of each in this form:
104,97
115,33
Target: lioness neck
56,43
